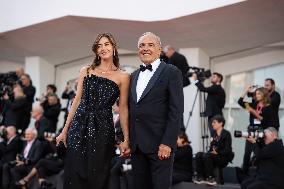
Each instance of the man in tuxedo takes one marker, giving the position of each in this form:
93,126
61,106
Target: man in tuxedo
215,100
156,111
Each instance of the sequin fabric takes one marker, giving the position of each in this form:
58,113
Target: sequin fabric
91,137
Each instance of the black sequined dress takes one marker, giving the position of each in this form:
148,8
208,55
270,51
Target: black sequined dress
90,140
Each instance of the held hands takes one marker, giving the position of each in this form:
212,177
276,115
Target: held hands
124,149
164,152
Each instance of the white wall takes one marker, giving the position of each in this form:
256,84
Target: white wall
197,58
248,62
41,72
8,66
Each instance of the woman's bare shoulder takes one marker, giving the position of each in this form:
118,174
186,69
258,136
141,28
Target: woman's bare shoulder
123,74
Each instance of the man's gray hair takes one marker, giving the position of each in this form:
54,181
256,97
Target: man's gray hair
37,107
33,130
152,34
272,130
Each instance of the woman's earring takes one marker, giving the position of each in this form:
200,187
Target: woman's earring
113,53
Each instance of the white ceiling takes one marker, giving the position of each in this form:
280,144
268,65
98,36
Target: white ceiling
247,25
15,14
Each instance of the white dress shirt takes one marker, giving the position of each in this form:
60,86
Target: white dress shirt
27,148
144,78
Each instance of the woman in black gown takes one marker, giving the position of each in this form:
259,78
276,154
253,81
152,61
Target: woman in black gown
89,131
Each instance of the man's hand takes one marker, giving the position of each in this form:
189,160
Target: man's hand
214,152
164,152
124,149
6,96
251,139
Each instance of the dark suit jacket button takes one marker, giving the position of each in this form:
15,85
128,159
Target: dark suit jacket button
137,120
137,106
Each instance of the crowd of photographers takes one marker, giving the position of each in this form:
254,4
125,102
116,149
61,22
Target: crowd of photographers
29,153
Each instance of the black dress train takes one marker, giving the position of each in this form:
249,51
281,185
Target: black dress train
90,139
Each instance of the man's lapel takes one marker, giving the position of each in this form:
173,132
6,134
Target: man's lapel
152,80
133,85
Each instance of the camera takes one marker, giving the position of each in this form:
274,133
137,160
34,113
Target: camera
245,134
126,166
7,81
50,135
20,158
3,133
201,73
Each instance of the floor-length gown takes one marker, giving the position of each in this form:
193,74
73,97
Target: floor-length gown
90,139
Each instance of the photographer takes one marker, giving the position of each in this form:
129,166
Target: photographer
219,154
270,162
51,164
29,91
16,112
262,111
254,125
50,89
9,147
69,95
275,99
215,101
182,169
25,161
179,61
52,109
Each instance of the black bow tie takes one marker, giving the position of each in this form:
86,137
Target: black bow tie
143,68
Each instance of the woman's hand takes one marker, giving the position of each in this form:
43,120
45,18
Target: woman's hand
124,149
62,137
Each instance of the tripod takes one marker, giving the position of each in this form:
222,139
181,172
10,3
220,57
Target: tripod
203,119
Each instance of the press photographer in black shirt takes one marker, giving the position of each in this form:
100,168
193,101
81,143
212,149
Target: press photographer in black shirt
29,89
215,101
177,60
52,108
270,162
10,146
16,111
275,99
219,154
182,170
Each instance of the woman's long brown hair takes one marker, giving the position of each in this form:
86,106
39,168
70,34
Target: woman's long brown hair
265,95
97,60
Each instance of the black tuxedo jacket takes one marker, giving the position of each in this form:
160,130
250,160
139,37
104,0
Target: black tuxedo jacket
157,117
9,151
35,152
215,100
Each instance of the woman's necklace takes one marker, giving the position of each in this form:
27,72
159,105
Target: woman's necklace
105,71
